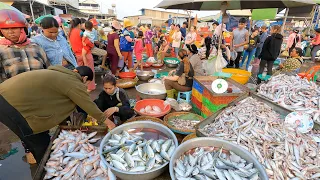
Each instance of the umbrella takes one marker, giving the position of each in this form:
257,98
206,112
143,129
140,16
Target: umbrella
203,5
6,6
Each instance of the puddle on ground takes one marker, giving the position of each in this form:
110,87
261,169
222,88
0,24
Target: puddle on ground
15,166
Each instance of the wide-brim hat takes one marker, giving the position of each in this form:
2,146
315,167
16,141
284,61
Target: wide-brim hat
115,24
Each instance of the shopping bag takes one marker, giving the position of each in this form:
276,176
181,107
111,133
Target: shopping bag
121,62
220,62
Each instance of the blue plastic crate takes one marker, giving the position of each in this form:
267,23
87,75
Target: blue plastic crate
197,86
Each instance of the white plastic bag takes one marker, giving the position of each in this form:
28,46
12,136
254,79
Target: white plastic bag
174,103
219,63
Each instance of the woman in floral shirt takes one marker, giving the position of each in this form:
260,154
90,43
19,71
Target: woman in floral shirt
292,64
148,41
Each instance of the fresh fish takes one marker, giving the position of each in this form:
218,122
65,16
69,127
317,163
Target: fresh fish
150,164
118,165
129,159
138,169
76,155
117,158
184,124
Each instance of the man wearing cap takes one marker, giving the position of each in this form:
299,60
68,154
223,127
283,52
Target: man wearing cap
97,51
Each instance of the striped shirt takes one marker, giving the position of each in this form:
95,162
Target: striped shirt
15,60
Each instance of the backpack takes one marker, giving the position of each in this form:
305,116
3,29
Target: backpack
124,44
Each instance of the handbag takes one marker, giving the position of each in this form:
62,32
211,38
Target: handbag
182,79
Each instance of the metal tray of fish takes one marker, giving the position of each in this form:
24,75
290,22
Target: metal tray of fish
101,131
279,109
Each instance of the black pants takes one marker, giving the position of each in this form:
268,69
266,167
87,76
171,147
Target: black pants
37,143
262,65
237,61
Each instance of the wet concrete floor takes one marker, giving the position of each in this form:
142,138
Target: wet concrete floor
15,166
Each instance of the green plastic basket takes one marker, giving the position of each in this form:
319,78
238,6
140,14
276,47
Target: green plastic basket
212,107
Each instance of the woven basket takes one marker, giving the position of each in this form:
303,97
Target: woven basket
177,130
146,118
126,83
190,136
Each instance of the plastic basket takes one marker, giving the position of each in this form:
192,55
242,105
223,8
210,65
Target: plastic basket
206,111
206,94
197,95
190,136
145,118
195,109
196,102
203,115
197,86
212,107
221,100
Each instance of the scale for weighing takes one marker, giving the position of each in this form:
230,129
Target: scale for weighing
219,86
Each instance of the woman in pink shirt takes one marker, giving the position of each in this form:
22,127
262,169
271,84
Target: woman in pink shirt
294,40
316,45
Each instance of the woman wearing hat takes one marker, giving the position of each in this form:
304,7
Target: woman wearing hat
294,40
125,43
113,47
195,60
316,45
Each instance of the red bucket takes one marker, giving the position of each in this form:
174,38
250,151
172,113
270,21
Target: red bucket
165,109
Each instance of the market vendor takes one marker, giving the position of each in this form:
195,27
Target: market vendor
292,64
114,101
182,78
34,102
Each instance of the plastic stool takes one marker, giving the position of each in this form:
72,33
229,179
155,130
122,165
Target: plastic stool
184,96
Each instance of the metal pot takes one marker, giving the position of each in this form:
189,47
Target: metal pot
172,65
137,175
207,141
145,75
151,91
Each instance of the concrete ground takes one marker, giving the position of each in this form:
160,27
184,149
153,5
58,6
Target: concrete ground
15,166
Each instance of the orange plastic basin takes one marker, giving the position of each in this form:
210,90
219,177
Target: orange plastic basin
152,102
127,75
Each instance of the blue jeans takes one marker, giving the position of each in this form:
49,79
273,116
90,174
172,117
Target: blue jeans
249,55
176,51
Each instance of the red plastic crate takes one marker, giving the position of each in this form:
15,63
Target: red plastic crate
196,102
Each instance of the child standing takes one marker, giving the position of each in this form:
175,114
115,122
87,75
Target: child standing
138,49
251,50
88,33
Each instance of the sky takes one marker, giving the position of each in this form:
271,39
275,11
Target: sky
131,7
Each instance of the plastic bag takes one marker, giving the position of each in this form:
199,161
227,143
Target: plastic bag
173,103
219,63
152,60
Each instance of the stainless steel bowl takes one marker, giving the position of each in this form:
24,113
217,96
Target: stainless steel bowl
169,65
138,175
207,141
151,91
145,75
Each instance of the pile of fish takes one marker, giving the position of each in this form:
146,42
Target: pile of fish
172,61
206,163
293,93
184,124
151,110
284,152
131,152
74,157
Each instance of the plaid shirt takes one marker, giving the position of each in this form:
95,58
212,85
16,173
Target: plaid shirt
15,60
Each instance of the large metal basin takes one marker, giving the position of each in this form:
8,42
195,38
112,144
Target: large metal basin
145,75
138,175
207,141
152,91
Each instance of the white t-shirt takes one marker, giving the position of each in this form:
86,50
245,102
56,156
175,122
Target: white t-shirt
191,37
176,39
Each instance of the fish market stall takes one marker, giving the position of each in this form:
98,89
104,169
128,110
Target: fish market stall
73,154
205,102
293,93
257,125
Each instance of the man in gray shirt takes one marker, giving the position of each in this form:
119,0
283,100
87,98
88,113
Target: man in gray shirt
239,38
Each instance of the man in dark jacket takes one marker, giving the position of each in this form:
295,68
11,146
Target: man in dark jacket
270,51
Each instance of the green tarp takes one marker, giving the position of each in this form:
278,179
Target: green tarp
262,14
